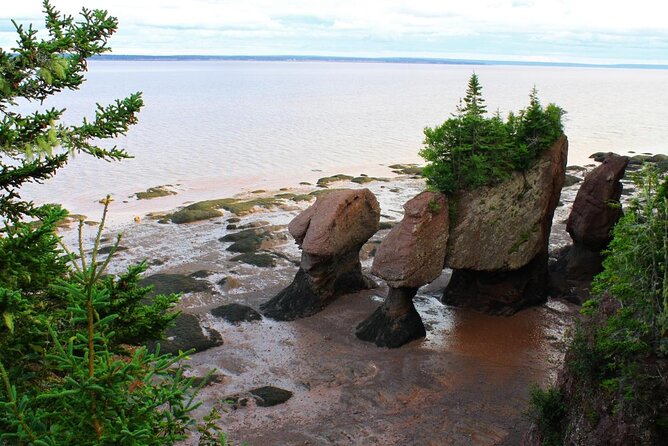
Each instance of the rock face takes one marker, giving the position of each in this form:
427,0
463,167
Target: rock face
592,217
410,256
330,234
590,224
499,237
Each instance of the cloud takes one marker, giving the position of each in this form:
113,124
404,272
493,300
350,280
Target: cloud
607,29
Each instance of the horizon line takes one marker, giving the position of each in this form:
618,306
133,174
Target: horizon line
389,59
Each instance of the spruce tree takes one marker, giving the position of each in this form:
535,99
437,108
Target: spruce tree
34,146
67,376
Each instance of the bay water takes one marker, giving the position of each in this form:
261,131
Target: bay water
212,129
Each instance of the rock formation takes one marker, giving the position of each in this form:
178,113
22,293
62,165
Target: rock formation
595,212
330,234
498,245
410,256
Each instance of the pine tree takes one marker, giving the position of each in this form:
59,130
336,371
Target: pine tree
64,377
36,145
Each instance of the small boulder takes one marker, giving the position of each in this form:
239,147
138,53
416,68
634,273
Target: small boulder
330,233
187,334
175,283
268,396
236,313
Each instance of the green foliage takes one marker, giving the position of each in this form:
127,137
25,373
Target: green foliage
547,411
35,145
71,371
108,397
140,317
470,150
616,351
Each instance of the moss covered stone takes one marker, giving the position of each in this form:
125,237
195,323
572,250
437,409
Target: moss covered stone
154,192
363,179
406,169
204,210
324,182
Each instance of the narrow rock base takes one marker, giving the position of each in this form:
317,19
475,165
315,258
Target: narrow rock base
572,273
312,290
499,293
394,323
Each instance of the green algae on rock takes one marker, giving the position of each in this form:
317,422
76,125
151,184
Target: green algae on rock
324,181
261,260
204,210
154,192
406,169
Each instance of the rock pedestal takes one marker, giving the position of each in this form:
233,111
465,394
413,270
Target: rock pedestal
499,237
499,293
395,323
595,212
330,233
410,256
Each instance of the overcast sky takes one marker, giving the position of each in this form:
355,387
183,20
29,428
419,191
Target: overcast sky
598,31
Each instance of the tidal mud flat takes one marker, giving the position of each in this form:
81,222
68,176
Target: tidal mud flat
466,383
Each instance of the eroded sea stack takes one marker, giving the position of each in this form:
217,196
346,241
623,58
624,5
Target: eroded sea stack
596,210
330,234
410,256
499,235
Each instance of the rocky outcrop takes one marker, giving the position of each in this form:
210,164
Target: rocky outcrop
395,323
596,207
410,256
499,237
595,211
330,234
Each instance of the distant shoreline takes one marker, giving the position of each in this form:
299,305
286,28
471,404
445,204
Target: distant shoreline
401,60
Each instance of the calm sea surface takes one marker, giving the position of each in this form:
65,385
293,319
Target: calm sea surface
217,127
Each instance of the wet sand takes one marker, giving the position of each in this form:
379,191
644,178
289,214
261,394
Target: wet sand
466,383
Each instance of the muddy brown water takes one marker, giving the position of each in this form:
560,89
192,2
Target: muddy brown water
467,383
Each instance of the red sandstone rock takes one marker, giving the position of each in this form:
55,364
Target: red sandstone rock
593,217
330,233
338,221
505,226
413,252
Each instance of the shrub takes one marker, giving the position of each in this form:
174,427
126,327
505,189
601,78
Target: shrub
470,150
